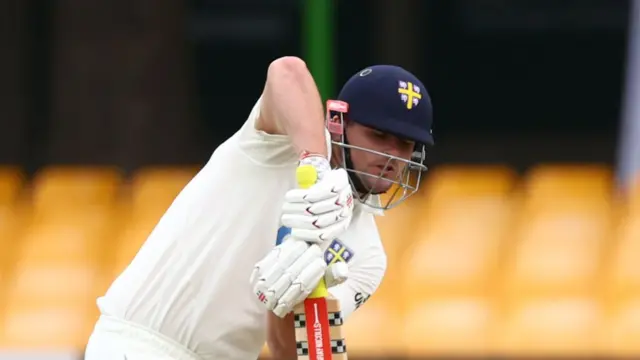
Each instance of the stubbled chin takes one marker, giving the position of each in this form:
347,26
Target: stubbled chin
380,187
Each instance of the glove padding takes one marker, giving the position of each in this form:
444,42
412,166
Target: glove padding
288,274
321,212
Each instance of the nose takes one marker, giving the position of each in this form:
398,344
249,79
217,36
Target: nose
390,162
392,149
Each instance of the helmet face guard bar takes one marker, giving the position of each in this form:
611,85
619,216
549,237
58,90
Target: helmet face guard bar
405,183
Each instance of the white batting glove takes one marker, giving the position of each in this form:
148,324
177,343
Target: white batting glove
323,211
288,274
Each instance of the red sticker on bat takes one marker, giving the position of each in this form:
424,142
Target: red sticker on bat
318,333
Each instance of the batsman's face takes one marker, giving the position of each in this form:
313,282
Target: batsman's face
374,164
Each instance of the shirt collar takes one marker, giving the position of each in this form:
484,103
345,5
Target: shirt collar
372,205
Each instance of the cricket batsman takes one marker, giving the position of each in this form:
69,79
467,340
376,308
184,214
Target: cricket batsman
242,245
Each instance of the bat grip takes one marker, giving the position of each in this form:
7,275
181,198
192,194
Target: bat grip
307,175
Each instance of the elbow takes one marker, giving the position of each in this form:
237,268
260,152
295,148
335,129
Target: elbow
287,65
288,72
285,75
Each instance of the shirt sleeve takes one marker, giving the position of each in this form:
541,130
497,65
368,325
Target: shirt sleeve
263,148
268,149
364,278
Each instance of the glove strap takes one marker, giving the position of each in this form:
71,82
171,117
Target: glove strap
305,154
319,161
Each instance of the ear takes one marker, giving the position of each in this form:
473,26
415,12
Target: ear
336,137
336,127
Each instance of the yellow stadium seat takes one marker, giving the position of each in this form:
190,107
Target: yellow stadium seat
624,274
456,248
10,184
34,327
449,326
633,199
129,241
557,251
51,285
11,180
447,290
622,291
10,221
128,244
446,182
58,188
56,255
77,236
569,178
551,303
396,229
157,187
465,211
624,330
55,281
374,329
552,326
11,218
58,283
57,271
572,186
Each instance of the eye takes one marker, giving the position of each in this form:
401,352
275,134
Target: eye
379,133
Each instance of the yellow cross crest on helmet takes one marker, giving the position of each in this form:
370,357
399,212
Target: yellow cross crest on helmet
409,94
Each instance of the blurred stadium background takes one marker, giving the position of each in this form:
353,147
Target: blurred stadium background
523,242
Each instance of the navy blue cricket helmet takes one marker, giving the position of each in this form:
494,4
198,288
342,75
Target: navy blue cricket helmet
392,100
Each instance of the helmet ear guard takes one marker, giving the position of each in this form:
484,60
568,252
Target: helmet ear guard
406,184
419,155
340,107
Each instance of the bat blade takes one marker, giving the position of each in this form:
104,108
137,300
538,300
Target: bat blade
318,328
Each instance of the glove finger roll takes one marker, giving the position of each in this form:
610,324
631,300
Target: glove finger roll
317,208
301,287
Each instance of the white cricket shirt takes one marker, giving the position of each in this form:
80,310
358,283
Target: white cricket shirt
190,280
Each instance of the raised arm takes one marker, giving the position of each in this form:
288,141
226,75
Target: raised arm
291,105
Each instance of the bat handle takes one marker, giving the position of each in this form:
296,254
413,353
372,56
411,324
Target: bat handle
307,175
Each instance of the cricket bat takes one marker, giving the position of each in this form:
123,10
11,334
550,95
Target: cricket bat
318,321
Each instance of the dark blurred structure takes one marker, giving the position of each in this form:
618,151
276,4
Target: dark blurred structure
104,82
134,83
